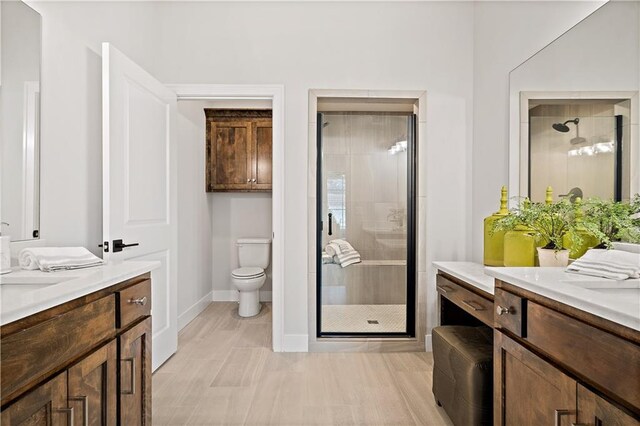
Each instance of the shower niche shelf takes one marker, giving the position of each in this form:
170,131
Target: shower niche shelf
238,152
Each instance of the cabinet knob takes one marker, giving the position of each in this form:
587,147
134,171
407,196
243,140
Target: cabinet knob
139,301
502,310
253,180
248,180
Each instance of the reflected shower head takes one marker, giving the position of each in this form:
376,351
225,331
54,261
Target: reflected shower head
562,127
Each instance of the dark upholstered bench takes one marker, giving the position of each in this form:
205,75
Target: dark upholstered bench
463,373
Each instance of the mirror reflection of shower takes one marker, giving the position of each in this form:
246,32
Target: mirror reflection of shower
581,144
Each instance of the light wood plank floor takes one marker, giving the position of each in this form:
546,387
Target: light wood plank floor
225,373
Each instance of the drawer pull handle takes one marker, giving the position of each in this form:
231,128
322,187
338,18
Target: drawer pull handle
132,390
500,310
558,416
85,408
139,301
69,412
474,305
445,289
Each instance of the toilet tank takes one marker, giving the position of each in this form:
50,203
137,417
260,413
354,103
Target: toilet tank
254,252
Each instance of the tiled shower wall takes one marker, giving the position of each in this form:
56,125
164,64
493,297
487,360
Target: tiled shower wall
550,162
355,150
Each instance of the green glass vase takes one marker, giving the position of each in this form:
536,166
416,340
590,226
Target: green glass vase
494,242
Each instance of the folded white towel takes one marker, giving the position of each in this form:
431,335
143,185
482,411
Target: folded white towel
613,264
50,259
332,249
326,258
343,244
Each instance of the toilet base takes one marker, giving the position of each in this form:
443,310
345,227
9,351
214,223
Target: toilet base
249,303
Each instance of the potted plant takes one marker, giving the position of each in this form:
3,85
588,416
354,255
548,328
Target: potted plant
611,221
549,222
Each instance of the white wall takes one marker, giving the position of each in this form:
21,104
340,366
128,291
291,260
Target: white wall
338,45
71,138
505,34
413,46
195,233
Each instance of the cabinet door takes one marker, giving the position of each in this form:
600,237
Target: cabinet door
528,390
135,375
230,144
262,157
44,406
595,411
92,387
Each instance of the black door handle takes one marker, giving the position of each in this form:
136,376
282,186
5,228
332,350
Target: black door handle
118,245
330,223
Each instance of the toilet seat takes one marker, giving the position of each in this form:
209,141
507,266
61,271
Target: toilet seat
247,272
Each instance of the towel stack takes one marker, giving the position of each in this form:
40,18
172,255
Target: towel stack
612,264
342,252
49,259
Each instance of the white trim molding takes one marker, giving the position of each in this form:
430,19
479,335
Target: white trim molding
417,101
274,92
196,309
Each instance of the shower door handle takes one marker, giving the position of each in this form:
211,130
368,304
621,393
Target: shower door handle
330,223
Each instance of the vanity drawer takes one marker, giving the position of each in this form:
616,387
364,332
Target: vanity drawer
476,305
510,312
134,302
600,357
29,355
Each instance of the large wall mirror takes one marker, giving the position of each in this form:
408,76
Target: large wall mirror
574,111
20,44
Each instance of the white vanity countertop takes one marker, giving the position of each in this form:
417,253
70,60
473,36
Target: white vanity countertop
24,293
469,272
617,301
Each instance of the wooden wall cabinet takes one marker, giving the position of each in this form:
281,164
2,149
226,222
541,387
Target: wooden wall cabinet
239,150
557,365
85,362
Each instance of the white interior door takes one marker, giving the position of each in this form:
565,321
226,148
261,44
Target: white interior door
139,183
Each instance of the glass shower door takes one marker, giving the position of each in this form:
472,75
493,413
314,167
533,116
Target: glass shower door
366,220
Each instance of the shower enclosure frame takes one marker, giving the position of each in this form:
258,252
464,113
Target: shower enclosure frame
411,265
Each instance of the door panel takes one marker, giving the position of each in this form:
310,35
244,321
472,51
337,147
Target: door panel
93,388
262,155
232,155
595,411
547,397
135,375
139,183
46,405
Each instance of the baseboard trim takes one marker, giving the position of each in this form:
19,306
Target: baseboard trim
190,314
295,343
427,343
232,296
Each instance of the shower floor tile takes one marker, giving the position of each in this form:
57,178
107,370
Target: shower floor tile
363,318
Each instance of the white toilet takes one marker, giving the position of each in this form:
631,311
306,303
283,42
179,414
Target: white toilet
254,257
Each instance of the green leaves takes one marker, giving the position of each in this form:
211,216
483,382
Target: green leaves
613,221
604,219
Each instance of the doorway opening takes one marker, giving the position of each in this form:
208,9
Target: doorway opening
366,220
271,205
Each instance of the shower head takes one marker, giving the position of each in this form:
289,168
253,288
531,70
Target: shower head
562,127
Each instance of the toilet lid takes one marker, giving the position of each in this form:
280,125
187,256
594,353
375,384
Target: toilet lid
248,272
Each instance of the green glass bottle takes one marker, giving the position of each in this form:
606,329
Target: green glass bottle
587,239
520,245
494,242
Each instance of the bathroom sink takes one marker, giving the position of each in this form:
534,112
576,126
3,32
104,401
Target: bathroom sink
604,284
40,280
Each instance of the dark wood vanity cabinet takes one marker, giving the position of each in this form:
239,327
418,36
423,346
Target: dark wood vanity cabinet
557,365
87,361
238,152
